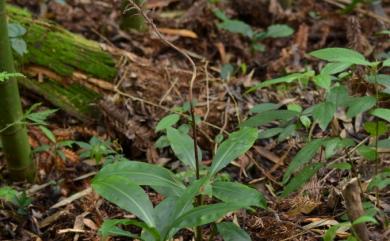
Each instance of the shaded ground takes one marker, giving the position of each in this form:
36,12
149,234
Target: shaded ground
317,24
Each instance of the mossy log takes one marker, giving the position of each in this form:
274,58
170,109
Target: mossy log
61,55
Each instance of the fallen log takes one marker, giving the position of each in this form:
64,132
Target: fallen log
56,58
87,79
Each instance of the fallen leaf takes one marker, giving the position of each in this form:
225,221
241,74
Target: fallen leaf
179,32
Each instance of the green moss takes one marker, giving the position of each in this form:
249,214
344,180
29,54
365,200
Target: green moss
75,99
61,51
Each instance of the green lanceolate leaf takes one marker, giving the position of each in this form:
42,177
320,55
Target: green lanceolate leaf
301,178
365,219
367,152
39,117
335,144
341,55
161,142
330,234
323,114
305,120
183,204
279,31
386,63
339,96
183,146
287,132
186,199
235,146
268,133
258,47
323,81
48,133
231,232
384,143
294,107
382,79
143,174
376,128
304,156
231,25
360,104
205,214
380,181
127,195
110,228
236,26
163,214
167,121
220,14
264,107
284,79
234,192
382,113
269,116
335,68
342,166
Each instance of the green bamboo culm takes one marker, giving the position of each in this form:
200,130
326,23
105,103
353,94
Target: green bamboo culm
14,138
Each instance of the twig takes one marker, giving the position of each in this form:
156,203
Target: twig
168,91
207,91
342,157
235,103
72,198
263,171
135,98
190,97
221,131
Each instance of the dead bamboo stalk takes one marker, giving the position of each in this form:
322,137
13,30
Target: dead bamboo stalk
353,203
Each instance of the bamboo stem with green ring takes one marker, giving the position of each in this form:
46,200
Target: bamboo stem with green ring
14,138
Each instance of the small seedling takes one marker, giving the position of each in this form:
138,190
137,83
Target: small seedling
18,199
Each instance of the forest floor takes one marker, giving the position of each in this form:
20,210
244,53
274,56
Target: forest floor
64,207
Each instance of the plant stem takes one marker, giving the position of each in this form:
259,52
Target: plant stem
130,19
195,135
376,137
14,138
197,171
198,235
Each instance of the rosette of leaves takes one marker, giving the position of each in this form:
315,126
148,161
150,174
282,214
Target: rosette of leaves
122,183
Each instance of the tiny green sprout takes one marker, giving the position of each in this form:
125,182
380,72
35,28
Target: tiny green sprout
96,149
19,199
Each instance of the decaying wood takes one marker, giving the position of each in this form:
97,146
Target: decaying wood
353,203
78,75
66,69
